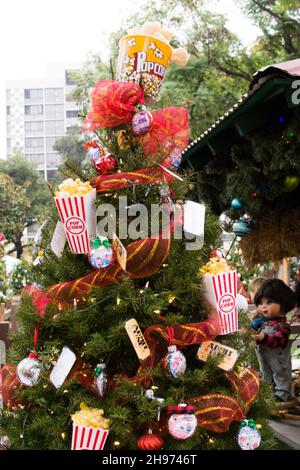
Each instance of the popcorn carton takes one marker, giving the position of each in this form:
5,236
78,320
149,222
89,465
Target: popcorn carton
76,206
221,291
88,438
90,429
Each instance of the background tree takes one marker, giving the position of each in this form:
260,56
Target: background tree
14,209
31,200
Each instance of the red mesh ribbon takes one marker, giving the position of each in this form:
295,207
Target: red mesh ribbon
170,129
112,104
117,181
10,386
158,337
245,383
144,258
217,411
39,299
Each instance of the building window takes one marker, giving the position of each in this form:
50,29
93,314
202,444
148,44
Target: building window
8,110
50,141
8,143
37,158
8,127
33,94
72,114
54,111
34,144
55,127
53,160
34,110
8,94
54,95
34,126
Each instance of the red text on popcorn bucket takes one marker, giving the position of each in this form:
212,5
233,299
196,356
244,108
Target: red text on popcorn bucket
226,303
75,225
142,65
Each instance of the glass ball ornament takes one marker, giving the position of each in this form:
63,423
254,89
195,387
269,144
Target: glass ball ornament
174,159
102,255
94,151
174,362
141,122
226,222
236,204
182,422
249,219
150,441
249,437
241,229
29,370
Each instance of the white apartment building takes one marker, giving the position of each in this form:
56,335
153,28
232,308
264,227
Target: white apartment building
38,112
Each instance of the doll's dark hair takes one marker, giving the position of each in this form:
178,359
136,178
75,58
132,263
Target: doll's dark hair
277,291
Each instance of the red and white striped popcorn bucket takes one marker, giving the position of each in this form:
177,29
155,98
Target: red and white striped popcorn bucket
88,438
78,215
220,292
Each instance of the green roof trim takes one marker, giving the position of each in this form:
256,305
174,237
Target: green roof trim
250,112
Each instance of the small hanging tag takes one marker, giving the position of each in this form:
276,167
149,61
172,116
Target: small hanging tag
194,217
230,355
62,367
137,339
121,252
58,240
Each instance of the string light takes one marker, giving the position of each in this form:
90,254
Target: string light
116,443
171,298
157,311
118,300
63,435
141,291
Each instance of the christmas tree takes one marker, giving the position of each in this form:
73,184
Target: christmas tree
115,325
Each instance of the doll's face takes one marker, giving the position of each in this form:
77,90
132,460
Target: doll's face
269,308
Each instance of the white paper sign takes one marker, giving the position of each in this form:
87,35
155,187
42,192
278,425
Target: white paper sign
62,367
194,217
58,240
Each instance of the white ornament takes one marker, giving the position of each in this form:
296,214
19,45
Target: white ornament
29,370
248,437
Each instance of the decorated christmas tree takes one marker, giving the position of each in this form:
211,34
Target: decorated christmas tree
131,338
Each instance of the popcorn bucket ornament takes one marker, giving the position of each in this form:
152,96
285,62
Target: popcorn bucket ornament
144,59
221,291
75,202
90,429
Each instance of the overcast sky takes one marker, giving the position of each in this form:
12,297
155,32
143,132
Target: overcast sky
34,33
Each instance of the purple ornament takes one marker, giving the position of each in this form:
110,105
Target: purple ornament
141,122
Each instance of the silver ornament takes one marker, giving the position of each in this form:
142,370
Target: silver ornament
226,222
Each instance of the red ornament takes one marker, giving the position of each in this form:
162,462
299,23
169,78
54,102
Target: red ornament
105,164
254,195
150,441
